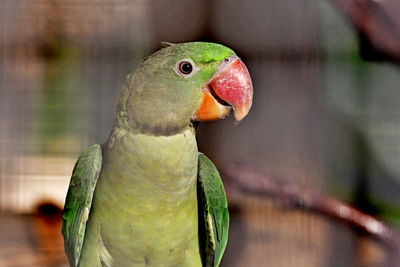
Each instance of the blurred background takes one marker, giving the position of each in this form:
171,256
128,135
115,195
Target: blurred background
325,116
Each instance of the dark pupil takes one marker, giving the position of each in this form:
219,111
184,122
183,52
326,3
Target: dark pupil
186,67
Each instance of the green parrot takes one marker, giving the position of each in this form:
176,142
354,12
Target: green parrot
147,197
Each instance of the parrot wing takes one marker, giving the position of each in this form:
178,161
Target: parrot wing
79,200
213,212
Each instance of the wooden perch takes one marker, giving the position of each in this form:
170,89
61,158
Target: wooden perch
246,180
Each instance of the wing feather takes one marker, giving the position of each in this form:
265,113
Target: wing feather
214,215
79,200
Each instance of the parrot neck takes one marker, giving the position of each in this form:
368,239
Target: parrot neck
158,127
140,113
173,159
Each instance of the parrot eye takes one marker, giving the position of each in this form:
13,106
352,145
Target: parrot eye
185,68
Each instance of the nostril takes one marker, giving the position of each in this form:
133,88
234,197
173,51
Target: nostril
227,60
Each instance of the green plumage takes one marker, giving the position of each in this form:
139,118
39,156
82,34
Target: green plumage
147,197
214,207
79,200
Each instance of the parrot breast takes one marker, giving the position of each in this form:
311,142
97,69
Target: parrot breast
145,204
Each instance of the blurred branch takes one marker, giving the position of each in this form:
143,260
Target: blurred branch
296,196
379,33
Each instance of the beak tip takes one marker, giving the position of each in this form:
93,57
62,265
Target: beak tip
241,113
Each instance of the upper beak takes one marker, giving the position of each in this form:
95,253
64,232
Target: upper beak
231,86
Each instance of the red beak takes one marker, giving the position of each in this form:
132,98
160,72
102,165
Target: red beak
232,86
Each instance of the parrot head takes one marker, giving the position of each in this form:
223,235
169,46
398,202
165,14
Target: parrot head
183,83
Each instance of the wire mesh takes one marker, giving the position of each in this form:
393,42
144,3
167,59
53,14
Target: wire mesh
62,66
318,112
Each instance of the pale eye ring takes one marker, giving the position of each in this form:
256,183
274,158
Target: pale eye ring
185,68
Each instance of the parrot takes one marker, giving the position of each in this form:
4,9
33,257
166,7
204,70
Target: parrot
147,196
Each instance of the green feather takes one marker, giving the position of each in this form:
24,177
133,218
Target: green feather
79,200
214,212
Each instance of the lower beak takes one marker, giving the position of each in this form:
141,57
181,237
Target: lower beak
230,87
